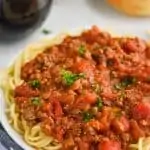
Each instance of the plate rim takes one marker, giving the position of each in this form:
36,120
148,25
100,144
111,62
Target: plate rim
15,136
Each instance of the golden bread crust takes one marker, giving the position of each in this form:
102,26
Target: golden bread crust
132,7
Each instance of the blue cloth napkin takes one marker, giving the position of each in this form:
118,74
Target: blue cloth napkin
7,142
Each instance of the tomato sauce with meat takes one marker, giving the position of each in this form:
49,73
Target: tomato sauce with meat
91,92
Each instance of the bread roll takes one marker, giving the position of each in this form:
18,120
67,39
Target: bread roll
132,7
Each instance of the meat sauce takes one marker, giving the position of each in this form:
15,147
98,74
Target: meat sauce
90,92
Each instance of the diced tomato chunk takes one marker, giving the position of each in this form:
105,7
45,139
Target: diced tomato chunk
58,112
84,145
89,98
136,131
84,67
25,91
121,124
141,111
130,46
134,45
58,133
109,145
47,107
125,123
92,34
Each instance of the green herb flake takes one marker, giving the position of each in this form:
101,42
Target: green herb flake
36,101
127,81
87,116
69,78
35,83
81,50
46,31
99,103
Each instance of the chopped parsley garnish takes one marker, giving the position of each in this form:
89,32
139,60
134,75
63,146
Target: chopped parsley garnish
69,78
87,116
99,103
35,83
36,101
46,31
81,50
125,82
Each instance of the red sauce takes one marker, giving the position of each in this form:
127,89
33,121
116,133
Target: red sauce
90,92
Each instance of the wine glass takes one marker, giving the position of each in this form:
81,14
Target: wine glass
20,17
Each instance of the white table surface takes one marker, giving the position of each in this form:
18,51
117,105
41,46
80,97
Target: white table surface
72,14
1,147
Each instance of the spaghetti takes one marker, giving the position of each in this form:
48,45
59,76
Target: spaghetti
88,91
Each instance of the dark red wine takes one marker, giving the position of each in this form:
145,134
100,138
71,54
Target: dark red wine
19,16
